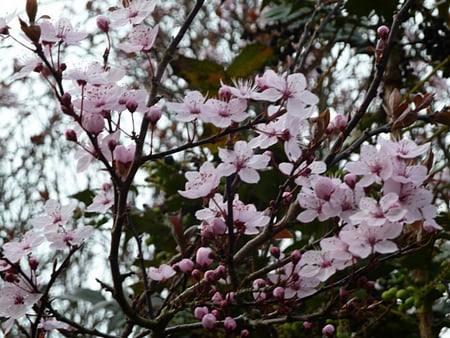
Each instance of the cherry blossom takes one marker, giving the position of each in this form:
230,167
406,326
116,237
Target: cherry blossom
223,113
53,324
203,257
162,273
103,200
16,300
322,264
56,215
373,166
190,109
59,32
242,89
291,88
135,13
94,74
242,161
13,251
388,210
141,38
68,238
404,148
201,183
366,239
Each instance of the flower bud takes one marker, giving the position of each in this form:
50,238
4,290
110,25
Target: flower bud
295,256
229,324
200,312
71,135
33,262
211,276
131,105
186,265
340,122
209,321
350,180
93,123
307,326
383,32
66,99
103,23
245,333
196,274
275,252
203,257
153,114
278,292
328,330
224,93
217,297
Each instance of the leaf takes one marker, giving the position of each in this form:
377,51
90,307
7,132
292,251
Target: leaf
33,32
443,116
84,294
86,196
31,9
203,75
250,60
382,8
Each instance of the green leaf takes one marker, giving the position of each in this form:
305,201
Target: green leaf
86,196
84,294
383,8
251,59
202,75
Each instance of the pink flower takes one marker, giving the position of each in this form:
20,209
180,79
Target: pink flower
321,264
60,32
53,324
242,161
388,210
223,113
13,251
135,13
15,300
56,216
366,239
373,165
404,148
203,256
190,109
291,88
94,74
70,238
141,38
162,273
103,200
201,183
328,330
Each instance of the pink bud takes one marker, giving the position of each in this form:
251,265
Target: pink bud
350,180
71,135
209,321
221,271
324,187
153,114
124,155
93,123
230,297
278,292
33,262
295,256
259,283
103,23
203,257
245,333
287,197
275,251
340,122
328,330
383,31
307,325
200,312
224,93
196,274
211,276
66,99
112,144
186,265
229,324
217,297
131,105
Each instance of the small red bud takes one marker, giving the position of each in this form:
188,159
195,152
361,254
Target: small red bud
71,135
103,23
383,32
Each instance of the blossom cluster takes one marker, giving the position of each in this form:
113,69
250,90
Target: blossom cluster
19,263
